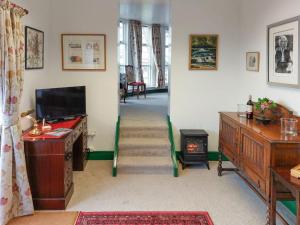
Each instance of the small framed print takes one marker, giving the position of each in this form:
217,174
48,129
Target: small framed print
83,52
283,53
34,48
252,61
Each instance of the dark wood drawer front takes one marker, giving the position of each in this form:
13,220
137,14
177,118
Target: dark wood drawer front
69,142
68,176
256,180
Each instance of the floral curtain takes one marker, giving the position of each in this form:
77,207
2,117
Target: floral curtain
156,45
135,46
15,194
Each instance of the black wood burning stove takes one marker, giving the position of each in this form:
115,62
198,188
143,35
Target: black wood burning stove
193,147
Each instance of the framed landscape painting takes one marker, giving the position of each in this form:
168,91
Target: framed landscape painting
252,61
283,53
203,52
34,48
83,52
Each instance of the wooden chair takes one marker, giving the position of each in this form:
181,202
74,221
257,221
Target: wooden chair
123,86
140,86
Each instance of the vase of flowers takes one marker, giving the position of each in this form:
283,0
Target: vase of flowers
262,106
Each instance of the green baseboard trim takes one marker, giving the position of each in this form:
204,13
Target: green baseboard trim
291,205
101,155
109,155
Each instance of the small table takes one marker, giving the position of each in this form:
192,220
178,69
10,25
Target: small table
285,186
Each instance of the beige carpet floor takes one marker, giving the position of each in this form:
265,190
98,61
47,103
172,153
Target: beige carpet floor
228,199
46,218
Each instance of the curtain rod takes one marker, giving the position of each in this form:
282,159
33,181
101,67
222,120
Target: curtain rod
13,5
146,24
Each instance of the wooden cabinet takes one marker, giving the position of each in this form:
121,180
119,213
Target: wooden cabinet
50,164
253,148
229,139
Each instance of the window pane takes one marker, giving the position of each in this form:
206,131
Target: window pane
122,55
145,35
168,37
168,55
122,69
146,74
146,55
121,32
166,75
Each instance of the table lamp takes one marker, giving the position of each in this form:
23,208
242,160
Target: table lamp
36,130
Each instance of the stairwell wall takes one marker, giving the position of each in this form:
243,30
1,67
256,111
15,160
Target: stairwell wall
196,97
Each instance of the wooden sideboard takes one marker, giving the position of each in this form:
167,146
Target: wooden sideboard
253,148
50,164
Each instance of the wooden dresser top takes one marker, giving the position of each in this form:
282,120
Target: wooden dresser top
270,132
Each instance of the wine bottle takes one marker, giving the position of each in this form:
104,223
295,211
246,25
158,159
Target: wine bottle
249,108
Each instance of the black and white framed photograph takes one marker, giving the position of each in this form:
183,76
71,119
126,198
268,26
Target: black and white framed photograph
283,53
34,48
252,61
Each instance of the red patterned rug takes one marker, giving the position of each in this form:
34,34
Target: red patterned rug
143,218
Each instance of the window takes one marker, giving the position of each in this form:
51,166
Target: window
147,56
148,65
122,47
167,54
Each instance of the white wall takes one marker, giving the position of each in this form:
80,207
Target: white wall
255,16
39,18
98,17
196,97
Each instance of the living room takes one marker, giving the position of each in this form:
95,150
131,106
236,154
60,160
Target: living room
195,99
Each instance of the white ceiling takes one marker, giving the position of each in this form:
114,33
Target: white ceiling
147,11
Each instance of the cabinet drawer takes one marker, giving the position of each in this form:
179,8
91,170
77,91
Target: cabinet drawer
68,143
258,182
68,173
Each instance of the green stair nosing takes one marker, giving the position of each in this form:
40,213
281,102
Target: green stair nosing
173,151
116,148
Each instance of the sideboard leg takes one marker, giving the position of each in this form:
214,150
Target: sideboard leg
220,169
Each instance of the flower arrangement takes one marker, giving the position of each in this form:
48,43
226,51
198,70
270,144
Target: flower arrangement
264,104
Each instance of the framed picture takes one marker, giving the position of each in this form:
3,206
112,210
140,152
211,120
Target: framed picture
203,52
252,61
83,52
34,48
283,53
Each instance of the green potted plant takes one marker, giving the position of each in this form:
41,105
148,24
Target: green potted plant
262,106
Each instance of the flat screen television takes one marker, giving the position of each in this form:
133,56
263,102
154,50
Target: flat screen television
60,103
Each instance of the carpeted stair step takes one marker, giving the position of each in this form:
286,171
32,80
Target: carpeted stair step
144,147
144,165
136,129
148,132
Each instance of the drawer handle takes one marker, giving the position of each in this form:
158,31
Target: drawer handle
258,182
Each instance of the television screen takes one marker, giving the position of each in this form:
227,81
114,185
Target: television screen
60,103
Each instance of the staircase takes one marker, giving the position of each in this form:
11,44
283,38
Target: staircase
144,147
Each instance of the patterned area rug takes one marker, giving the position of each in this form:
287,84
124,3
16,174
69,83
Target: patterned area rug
143,218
